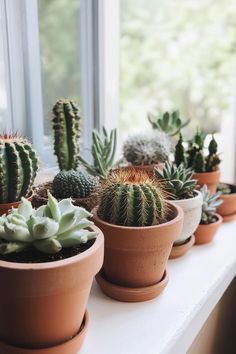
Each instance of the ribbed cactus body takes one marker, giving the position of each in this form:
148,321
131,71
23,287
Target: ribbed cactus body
66,125
18,168
132,201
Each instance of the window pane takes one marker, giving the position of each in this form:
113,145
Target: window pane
59,25
3,93
177,54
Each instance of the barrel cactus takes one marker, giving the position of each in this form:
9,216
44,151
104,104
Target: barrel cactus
74,184
147,149
18,168
66,125
132,198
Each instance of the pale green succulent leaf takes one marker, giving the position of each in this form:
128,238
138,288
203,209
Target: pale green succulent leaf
49,246
66,206
76,238
44,227
67,221
25,208
17,233
40,211
54,207
12,247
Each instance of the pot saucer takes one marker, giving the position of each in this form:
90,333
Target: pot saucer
180,250
229,217
72,346
126,294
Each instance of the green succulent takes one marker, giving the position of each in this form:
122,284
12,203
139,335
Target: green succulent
131,198
48,229
66,125
18,168
210,203
177,181
74,184
103,152
223,188
180,158
169,123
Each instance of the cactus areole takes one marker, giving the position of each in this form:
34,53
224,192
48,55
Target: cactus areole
66,125
18,168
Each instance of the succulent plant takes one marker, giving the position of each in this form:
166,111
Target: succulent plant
212,160
18,168
169,123
48,229
210,203
177,181
103,152
74,184
132,198
223,188
180,158
66,125
147,149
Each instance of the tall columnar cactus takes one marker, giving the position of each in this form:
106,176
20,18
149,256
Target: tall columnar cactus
169,123
66,125
18,168
212,160
180,158
147,149
131,198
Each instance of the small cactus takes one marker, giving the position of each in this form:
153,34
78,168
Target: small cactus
131,198
48,229
66,125
180,158
224,188
169,123
74,184
103,152
147,149
210,203
18,168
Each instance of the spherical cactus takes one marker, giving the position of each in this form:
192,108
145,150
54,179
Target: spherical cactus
147,149
66,125
18,168
74,184
132,198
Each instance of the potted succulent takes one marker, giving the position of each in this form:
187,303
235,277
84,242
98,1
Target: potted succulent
228,208
18,169
169,123
139,227
210,220
181,188
205,167
48,258
145,151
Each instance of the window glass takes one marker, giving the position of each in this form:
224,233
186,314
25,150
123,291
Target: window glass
3,93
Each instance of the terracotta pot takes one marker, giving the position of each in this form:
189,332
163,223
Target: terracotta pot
137,256
228,208
211,179
205,233
180,249
43,304
4,208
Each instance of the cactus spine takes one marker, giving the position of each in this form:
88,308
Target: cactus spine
131,198
18,168
66,125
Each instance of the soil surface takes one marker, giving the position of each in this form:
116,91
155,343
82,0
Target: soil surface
34,256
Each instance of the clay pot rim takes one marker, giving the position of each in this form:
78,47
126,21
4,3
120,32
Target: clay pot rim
174,207
61,263
203,174
219,221
12,204
186,200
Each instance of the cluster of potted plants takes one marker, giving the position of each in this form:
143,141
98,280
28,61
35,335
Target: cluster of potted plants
149,209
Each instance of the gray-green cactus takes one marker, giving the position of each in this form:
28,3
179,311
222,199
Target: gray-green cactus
147,149
169,123
48,229
74,184
176,181
103,152
18,168
210,203
131,198
66,125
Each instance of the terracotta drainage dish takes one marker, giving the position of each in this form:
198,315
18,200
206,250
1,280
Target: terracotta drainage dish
228,208
205,233
192,208
211,179
135,257
43,305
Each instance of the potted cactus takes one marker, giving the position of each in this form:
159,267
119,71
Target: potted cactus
48,258
18,169
139,227
169,123
210,220
181,188
228,207
205,167
145,151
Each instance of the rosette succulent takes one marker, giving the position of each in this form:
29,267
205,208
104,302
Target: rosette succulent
48,229
210,203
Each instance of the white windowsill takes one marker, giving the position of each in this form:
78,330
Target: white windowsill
170,323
